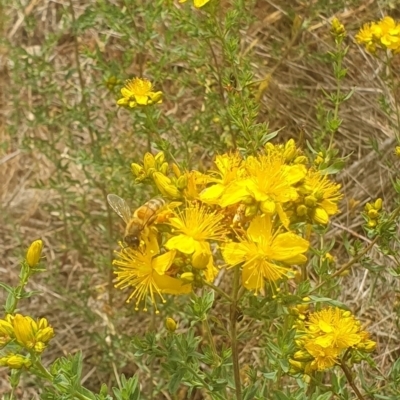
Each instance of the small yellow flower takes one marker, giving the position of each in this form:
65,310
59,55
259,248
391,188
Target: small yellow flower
147,273
326,335
171,325
31,334
268,181
15,361
34,252
138,92
197,3
397,151
262,252
193,229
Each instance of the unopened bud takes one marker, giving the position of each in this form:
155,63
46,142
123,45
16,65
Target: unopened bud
170,324
165,186
160,158
136,169
164,168
200,260
182,182
176,170
378,204
149,161
301,210
187,277
34,252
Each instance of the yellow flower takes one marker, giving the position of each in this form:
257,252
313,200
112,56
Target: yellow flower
397,151
324,358
327,334
197,3
228,168
333,327
31,334
320,196
15,361
138,92
34,252
262,251
194,228
388,32
147,273
269,182
365,36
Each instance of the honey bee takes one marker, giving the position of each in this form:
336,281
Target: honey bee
141,218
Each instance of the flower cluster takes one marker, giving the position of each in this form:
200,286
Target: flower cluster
252,213
384,34
325,337
19,333
372,213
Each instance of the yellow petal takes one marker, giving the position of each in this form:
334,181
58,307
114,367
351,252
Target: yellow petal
212,194
288,245
183,243
163,262
142,100
200,3
169,285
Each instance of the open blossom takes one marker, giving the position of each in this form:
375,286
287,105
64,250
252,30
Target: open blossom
384,34
138,92
265,254
147,273
268,181
326,335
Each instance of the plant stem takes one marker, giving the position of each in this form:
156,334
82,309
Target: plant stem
349,378
219,291
234,344
207,328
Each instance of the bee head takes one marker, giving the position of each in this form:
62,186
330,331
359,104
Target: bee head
132,241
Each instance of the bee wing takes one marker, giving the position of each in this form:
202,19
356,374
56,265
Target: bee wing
120,206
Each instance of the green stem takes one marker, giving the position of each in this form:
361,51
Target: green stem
349,378
206,326
219,291
233,332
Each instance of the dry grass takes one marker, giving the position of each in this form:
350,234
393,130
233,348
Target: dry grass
368,174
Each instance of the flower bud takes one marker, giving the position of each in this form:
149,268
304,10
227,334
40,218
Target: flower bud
373,214
15,361
160,158
301,160
200,260
170,324
187,277
137,169
165,186
149,161
34,252
378,204
182,182
164,168
310,201
175,169
301,210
